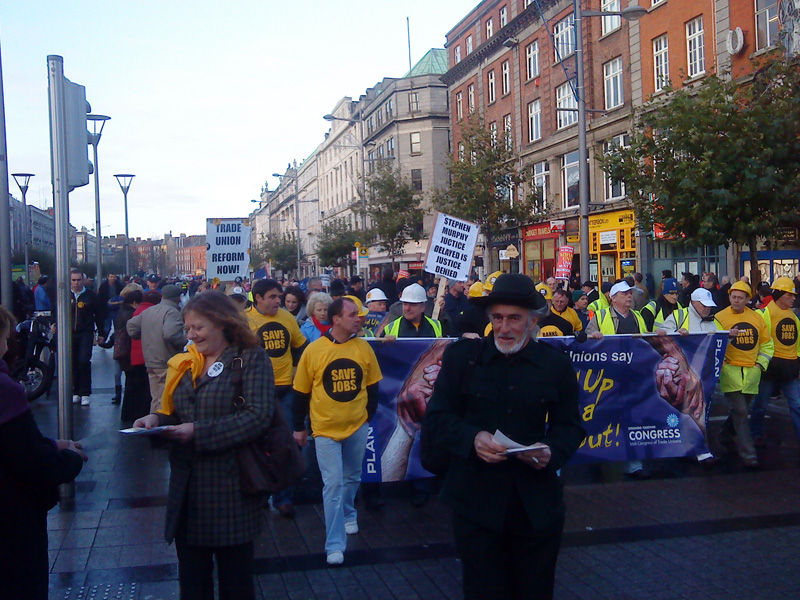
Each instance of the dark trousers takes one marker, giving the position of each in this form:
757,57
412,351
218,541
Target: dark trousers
82,363
516,563
136,401
234,569
24,565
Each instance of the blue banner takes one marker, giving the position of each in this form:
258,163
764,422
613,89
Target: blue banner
641,397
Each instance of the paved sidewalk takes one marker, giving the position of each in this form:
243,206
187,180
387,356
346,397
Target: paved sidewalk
684,534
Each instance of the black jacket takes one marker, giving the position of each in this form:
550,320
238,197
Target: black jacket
86,313
531,396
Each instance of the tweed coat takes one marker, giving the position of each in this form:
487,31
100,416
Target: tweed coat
204,480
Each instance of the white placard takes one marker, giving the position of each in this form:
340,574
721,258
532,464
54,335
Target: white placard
451,248
608,237
228,248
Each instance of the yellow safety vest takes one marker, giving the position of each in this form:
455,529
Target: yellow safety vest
606,322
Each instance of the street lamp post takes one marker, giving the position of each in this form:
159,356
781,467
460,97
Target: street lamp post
630,13
98,122
23,179
124,181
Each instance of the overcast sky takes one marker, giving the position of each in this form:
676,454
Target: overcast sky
206,99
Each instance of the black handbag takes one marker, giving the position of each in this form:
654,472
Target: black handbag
273,462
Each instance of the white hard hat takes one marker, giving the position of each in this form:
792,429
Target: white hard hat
375,295
414,294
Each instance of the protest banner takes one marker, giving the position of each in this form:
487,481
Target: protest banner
641,397
227,249
564,263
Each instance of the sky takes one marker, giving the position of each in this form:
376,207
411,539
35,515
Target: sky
206,99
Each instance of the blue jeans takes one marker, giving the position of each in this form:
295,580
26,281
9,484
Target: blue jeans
340,466
283,394
767,387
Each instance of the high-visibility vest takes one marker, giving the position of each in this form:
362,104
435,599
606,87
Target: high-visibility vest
393,328
606,322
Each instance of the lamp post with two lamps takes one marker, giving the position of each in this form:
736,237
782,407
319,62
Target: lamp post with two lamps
124,180
23,179
98,122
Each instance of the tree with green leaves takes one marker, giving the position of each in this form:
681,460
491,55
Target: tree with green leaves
337,240
394,209
483,178
279,249
717,163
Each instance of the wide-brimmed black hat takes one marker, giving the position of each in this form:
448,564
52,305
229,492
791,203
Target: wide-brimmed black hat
514,289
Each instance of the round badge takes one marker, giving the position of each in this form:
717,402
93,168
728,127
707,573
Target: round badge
215,369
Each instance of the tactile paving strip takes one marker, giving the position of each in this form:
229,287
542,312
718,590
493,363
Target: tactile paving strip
107,591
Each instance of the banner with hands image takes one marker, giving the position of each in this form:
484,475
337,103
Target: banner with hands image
641,397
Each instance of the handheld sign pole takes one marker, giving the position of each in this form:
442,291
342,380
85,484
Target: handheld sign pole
443,282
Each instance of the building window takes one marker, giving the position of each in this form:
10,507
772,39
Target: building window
390,146
532,60
615,190
469,44
459,108
534,121
380,152
695,47
490,91
503,17
570,177
461,151
541,173
564,34
506,77
660,62
655,2
370,124
489,28
457,54
378,118
613,22
766,23
612,77
566,105
471,97
416,145
389,109
493,133
413,101
371,161
508,133
416,179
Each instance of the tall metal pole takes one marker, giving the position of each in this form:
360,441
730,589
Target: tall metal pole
58,160
127,237
98,232
583,164
297,218
5,216
23,180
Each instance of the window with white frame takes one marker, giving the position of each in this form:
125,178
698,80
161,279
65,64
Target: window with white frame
766,23
541,174
490,90
612,78
471,98
380,152
461,151
416,143
566,105
613,22
371,161
378,118
489,28
532,60
570,178
503,17
534,120
508,132
655,2
390,109
370,124
469,44
660,62
564,34
457,54
615,190
413,101
695,47
459,107
390,146
506,75
493,133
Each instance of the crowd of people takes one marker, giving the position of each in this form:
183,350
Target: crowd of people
302,351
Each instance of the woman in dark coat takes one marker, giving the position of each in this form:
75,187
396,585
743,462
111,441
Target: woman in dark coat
31,468
136,400
207,514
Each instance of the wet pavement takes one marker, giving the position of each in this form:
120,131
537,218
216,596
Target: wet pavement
683,534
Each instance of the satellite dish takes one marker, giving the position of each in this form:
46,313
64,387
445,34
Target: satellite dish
735,41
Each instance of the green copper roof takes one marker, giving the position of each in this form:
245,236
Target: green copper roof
433,63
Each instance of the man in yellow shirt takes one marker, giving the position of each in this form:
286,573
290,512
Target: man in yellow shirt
278,332
561,319
747,356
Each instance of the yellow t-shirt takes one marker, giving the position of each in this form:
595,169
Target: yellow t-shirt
277,335
570,315
337,376
743,350
783,329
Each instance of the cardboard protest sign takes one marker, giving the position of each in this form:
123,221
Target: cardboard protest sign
451,248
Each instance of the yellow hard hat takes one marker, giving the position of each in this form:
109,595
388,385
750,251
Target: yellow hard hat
545,291
475,290
362,310
783,284
741,286
490,280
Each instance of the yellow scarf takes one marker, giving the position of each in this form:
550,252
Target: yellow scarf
176,369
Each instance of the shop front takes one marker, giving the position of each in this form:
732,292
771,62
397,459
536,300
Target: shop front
612,245
505,251
777,257
540,249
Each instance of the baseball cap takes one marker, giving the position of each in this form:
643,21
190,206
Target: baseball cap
704,297
414,294
622,286
375,295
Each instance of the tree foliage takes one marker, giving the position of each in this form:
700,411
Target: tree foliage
719,162
280,249
394,209
337,240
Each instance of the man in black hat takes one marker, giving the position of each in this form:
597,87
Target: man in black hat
508,509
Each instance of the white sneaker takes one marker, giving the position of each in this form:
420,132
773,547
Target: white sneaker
351,528
76,399
335,558
85,400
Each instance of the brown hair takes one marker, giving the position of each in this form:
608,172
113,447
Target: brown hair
222,312
7,324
